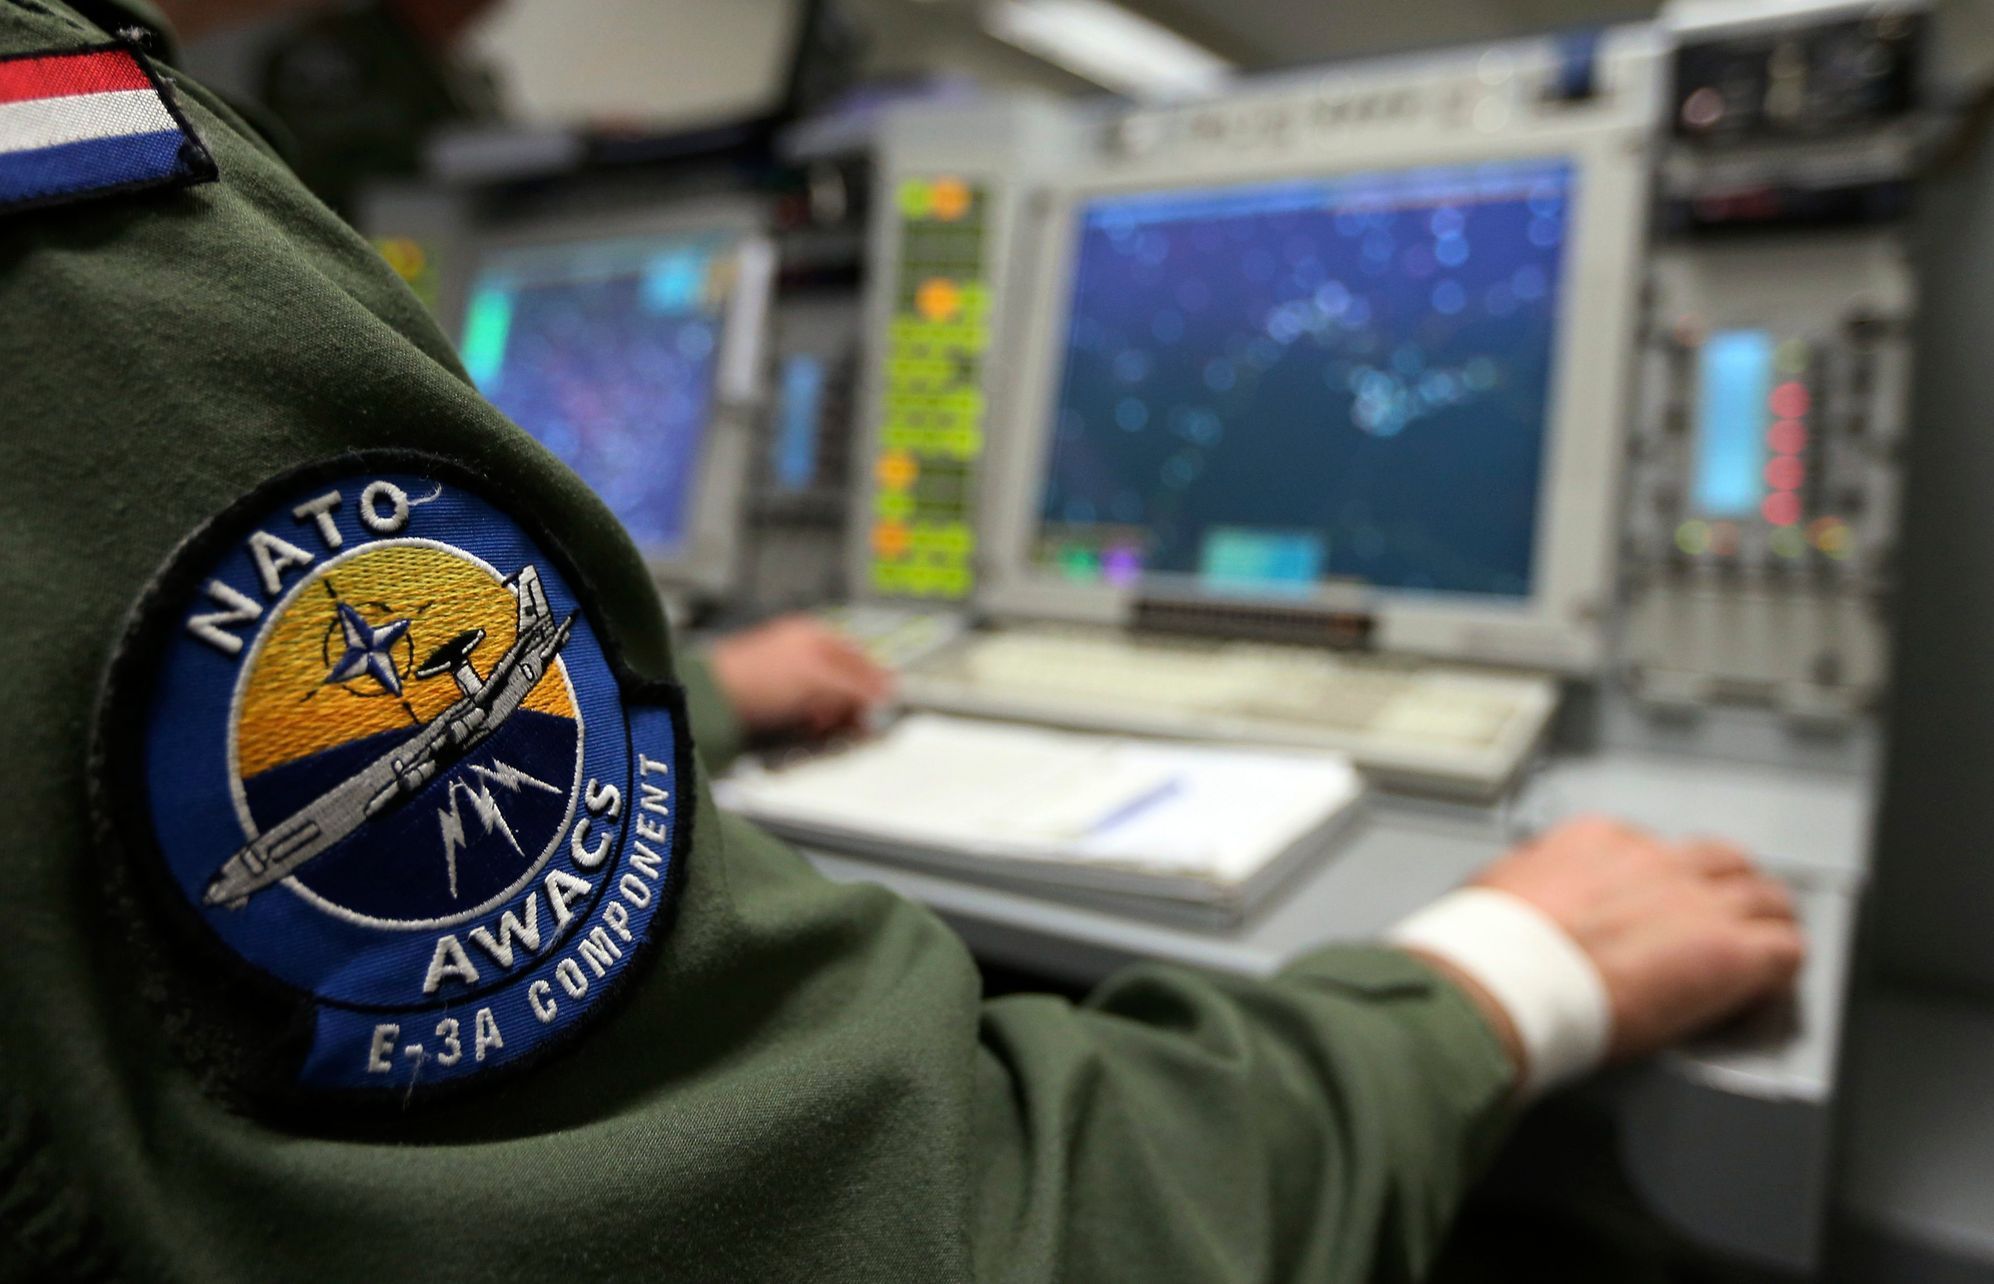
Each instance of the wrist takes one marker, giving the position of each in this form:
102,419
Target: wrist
1524,964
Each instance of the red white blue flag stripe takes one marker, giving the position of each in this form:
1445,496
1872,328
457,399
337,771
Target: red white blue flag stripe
90,122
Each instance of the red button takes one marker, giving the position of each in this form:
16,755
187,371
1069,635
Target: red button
1787,437
1789,400
1782,509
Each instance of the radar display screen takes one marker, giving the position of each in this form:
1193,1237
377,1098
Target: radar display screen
607,352
1346,379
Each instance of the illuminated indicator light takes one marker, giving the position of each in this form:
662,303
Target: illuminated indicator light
1693,538
1831,535
487,325
1723,538
403,255
1787,541
1785,472
1122,566
1787,436
1790,358
897,470
1734,380
917,199
949,199
890,539
938,299
1782,509
1789,400
1079,563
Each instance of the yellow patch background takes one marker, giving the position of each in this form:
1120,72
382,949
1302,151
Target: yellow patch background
281,718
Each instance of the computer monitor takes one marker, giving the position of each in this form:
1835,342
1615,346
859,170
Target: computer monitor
1387,390
628,354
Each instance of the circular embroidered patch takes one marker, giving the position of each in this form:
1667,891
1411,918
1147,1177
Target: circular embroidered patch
377,748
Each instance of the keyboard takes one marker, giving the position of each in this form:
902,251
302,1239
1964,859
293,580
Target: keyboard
1428,727
894,636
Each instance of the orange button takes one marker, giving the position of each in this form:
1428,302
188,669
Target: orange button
938,299
889,539
403,255
896,470
949,199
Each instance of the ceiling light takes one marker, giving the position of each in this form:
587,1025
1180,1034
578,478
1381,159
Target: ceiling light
1108,45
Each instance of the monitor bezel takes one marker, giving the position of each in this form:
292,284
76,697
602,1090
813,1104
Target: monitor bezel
705,561
1559,624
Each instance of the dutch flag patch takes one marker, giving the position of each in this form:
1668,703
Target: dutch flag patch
91,122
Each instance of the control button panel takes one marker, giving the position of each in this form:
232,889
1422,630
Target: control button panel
922,541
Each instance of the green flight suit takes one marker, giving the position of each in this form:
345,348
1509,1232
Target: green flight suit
807,1083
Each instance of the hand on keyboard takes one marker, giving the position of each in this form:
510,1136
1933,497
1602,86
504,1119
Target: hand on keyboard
797,674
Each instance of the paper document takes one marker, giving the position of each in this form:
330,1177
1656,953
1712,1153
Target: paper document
938,789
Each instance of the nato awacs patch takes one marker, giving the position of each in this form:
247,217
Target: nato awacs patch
364,737
80,123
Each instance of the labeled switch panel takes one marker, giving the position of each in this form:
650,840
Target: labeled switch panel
932,402
1764,495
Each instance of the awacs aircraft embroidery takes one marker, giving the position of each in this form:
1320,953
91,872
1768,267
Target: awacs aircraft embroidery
380,753
91,122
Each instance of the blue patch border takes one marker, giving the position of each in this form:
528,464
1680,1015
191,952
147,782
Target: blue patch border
246,1034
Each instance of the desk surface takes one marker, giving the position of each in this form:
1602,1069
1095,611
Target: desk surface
1728,1137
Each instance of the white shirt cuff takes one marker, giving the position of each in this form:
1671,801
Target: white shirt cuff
1553,994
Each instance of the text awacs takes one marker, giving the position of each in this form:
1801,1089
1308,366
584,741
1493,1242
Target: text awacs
527,928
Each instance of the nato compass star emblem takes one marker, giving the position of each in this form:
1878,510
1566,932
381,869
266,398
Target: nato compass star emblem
369,651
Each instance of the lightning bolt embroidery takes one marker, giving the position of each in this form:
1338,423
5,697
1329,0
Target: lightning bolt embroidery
485,806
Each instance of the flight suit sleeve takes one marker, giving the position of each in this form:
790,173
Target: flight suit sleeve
1320,1125
716,729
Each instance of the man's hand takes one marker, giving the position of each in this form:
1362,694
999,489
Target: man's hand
1684,934
797,674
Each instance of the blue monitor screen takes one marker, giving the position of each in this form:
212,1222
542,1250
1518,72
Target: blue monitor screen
606,352
1345,379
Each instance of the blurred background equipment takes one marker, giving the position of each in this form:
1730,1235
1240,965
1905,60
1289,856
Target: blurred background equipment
1551,405
1766,485
634,353
361,88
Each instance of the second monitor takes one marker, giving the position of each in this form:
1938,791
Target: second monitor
629,353
1345,379
1386,382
